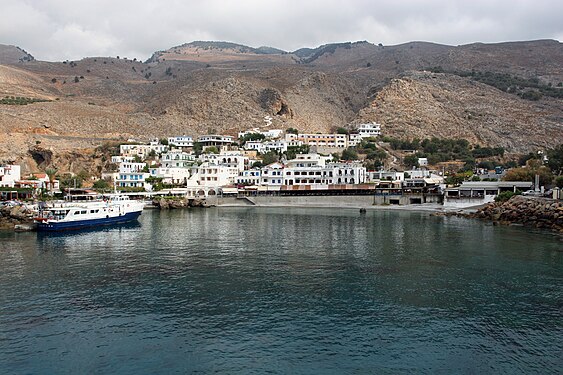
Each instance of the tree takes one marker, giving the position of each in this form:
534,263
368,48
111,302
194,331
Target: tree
101,185
555,159
292,131
342,130
349,154
269,157
163,141
251,137
411,161
533,167
76,79
212,150
292,151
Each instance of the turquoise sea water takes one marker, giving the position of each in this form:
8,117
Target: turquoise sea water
283,291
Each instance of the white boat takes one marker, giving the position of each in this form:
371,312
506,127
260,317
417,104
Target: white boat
112,209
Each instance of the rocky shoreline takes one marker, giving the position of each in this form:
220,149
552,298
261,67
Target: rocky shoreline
534,212
175,203
13,216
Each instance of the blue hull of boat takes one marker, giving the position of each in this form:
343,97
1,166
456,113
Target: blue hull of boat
79,224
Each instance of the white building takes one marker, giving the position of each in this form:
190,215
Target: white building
122,159
266,146
141,151
213,175
171,175
177,159
272,175
249,177
317,171
323,140
372,129
272,133
181,141
378,176
131,175
215,140
232,159
354,139
9,174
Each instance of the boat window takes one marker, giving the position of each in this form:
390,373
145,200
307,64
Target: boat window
83,212
76,212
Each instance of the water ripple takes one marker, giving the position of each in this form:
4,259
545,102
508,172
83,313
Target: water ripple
282,291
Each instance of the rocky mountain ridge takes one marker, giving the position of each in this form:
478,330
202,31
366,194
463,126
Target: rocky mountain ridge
225,87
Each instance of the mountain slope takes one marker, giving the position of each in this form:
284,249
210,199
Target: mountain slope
225,87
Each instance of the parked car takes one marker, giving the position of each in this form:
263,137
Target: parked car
532,193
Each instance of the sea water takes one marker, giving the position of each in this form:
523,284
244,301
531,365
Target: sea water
283,291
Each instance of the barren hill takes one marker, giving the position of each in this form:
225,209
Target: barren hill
494,94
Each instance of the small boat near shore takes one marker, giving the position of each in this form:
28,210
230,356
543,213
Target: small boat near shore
112,209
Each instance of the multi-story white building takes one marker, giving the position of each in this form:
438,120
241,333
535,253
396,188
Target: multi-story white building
333,173
177,159
142,151
131,175
181,141
266,146
215,140
272,175
233,159
213,175
354,139
249,177
9,174
171,175
323,140
371,129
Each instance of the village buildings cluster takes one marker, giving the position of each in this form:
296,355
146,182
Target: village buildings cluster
220,166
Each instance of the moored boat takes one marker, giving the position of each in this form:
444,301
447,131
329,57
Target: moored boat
112,209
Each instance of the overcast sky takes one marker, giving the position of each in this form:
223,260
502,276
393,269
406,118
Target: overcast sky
61,29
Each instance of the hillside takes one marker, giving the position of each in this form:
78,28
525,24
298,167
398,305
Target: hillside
197,87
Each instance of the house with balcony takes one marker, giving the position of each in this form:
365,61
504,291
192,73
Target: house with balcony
216,140
132,175
177,158
249,177
181,141
369,130
320,140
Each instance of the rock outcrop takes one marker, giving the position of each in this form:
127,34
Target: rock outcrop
11,216
535,212
177,202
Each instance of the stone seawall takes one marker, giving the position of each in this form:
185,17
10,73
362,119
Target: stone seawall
535,212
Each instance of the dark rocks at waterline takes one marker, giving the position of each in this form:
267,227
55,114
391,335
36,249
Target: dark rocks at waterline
16,216
518,210
174,203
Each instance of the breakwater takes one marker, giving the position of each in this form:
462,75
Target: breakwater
534,212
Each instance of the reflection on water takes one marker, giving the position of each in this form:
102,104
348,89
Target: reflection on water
285,291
